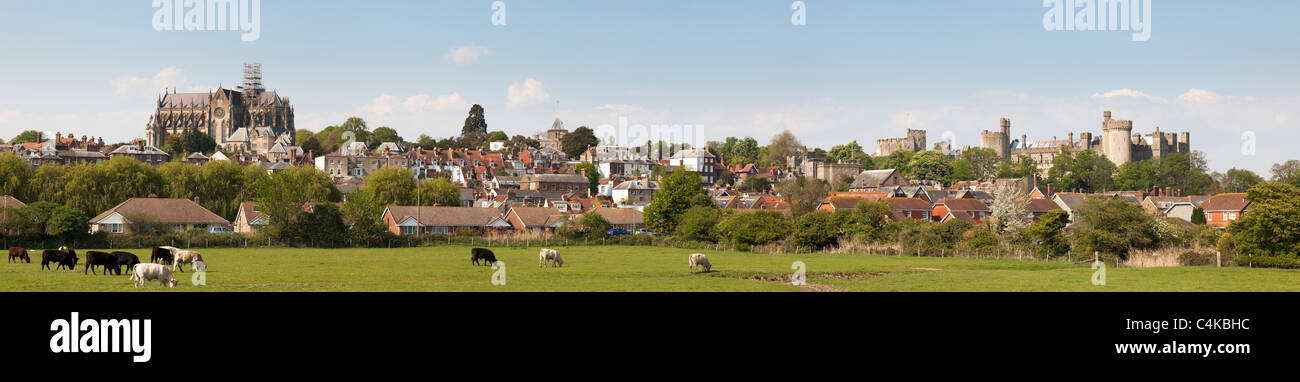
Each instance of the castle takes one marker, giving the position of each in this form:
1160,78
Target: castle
914,141
248,118
1117,143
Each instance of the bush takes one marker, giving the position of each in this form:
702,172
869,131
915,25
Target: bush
754,228
700,223
815,231
1196,258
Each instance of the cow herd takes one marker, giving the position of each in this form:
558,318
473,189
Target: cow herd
552,257
113,263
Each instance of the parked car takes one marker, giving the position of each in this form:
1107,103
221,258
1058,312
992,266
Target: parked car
618,232
219,230
644,231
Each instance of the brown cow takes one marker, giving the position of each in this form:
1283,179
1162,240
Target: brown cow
20,254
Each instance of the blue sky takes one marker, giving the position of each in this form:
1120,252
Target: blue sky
859,70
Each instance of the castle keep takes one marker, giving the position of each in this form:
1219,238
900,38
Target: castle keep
247,119
914,141
1117,142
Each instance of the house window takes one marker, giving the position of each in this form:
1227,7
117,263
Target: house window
408,231
114,228
1232,216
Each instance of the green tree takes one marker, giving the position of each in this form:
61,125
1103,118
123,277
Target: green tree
575,143
27,136
1198,216
983,161
15,172
1113,227
361,209
1023,167
930,165
67,223
384,134
283,195
591,172
498,136
474,133
1181,171
1239,180
1085,170
816,230
869,221
426,142
323,226
962,170
438,192
1287,172
1266,234
390,186
700,223
748,229
1136,175
804,194
677,193
1045,236
596,226
901,160
848,151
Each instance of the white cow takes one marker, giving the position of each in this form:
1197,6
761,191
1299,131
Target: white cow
550,255
149,271
700,260
187,257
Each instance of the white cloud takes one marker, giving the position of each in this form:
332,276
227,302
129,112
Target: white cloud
131,87
1117,93
445,102
530,92
1200,96
465,55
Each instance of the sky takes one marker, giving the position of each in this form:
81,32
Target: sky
1226,72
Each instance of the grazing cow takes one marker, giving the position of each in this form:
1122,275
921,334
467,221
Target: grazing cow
126,260
63,257
700,260
185,257
550,255
106,260
162,255
484,254
146,272
20,254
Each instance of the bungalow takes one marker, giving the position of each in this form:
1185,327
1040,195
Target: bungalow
1070,202
1180,210
626,219
1037,207
167,214
8,201
969,210
909,208
1222,209
413,220
534,219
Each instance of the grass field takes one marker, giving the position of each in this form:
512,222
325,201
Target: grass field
610,269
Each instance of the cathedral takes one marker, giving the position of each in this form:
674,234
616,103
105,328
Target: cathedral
246,119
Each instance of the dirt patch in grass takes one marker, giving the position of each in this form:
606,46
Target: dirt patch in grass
814,287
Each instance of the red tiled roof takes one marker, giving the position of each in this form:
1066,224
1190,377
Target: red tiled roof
1226,202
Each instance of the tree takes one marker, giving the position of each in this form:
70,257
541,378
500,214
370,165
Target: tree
384,134
804,194
868,221
1266,234
783,145
27,136
1181,171
1114,227
67,223
1287,172
901,160
677,193
438,192
519,142
700,223
15,172
498,136
356,126
593,175
849,151
1008,208
312,146
983,161
962,170
1046,235
1085,170
1239,180
748,229
1023,167
323,226
474,133
815,230
755,183
1198,216
1136,175
390,186
726,179
282,196
426,142
597,226
361,209
302,135
930,165
194,141
98,187
577,142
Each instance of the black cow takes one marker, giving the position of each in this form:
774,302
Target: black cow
63,257
103,259
484,254
126,260
19,253
161,253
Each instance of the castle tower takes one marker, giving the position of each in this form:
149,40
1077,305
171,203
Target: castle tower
1116,139
999,141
